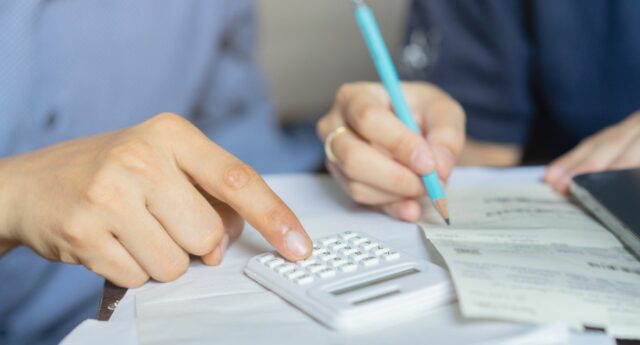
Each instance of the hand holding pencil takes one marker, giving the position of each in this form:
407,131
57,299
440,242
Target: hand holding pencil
377,159
375,152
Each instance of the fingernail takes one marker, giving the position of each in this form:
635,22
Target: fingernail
296,243
422,161
565,182
554,173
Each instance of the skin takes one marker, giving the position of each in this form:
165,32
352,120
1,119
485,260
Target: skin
615,147
135,204
379,160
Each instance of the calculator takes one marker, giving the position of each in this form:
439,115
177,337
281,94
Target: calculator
354,283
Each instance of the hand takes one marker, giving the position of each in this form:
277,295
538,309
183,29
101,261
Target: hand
616,147
379,159
134,203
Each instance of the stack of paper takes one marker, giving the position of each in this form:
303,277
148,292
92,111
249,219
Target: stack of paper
524,253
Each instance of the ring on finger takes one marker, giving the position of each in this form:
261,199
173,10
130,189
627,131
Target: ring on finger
329,140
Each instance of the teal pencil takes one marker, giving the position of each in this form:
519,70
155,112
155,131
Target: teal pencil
384,65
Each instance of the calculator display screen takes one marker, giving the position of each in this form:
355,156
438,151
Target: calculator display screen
374,282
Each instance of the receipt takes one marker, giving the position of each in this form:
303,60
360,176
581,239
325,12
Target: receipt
526,254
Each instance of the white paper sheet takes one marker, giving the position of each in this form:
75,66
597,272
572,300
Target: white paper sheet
524,253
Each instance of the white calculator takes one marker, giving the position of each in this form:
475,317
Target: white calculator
353,282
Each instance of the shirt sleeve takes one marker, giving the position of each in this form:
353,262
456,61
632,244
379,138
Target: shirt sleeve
479,53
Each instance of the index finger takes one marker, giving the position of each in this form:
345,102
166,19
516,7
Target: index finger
367,110
230,180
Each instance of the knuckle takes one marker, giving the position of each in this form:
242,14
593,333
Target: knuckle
239,175
127,272
74,231
207,241
136,155
344,92
403,145
168,123
126,276
175,266
456,109
136,280
105,189
365,115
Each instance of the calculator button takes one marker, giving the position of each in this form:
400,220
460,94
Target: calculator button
285,268
357,240
321,253
381,250
304,279
370,261
337,245
368,245
326,273
348,250
349,267
337,262
317,249
326,257
295,274
273,263
305,263
327,241
391,255
357,256
266,257
348,234
316,267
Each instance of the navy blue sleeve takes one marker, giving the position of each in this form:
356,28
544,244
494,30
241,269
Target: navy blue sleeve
480,55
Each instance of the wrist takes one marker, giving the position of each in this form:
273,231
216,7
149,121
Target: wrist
8,224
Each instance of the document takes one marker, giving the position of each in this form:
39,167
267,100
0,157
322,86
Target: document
524,253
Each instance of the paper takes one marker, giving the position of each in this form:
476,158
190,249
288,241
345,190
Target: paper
101,333
524,253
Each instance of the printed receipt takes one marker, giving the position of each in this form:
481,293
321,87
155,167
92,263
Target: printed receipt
524,253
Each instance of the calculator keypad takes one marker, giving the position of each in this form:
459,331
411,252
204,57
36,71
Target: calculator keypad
344,253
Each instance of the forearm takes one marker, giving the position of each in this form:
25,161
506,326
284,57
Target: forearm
7,208
482,153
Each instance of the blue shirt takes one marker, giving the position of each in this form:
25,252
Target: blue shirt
539,74
71,68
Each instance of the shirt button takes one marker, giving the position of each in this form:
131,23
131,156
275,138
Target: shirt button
50,120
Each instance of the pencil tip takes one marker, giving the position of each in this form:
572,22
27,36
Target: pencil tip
441,207
447,221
